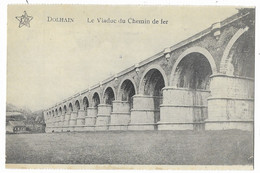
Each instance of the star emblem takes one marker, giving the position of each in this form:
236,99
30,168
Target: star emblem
24,20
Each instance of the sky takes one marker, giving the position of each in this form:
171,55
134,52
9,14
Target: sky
51,61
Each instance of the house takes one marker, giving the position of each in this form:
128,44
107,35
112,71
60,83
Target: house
15,122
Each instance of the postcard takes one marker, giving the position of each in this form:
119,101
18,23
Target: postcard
130,87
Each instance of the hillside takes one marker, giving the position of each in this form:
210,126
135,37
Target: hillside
32,117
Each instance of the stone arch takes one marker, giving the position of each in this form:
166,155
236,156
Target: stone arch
119,91
60,111
77,105
225,62
152,67
85,103
70,107
95,99
235,60
191,50
109,95
126,89
193,72
65,109
56,112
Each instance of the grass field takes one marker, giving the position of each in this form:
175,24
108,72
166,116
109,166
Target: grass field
142,147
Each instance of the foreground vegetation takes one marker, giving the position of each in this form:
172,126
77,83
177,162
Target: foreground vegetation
146,147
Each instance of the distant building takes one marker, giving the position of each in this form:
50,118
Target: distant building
15,122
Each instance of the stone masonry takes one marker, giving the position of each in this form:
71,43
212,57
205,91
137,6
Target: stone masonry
205,82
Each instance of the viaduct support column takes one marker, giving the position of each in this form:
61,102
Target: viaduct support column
59,126
62,122
90,119
103,117
52,123
56,124
73,120
120,117
80,120
231,105
183,109
143,113
66,122
48,126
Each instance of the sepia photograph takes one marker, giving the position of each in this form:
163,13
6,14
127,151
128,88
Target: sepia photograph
130,87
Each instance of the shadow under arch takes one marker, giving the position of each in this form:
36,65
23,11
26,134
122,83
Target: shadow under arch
77,105
152,67
238,56
70,107
200,50
126,91
85,103
60,110
65,109
95,99
109,95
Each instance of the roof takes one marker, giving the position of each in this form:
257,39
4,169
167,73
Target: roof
17,123
13,113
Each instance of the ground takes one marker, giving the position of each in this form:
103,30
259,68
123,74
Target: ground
230,147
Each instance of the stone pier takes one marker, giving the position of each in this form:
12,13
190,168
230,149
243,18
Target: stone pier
231,105
80,122
143,113
59,123
66,122
120,117
103,117
90,119
183,109
73,121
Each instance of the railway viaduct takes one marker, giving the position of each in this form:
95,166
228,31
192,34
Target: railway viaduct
205,82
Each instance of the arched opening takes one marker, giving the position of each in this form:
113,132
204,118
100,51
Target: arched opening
85,103
127,91
47,116
193,74
56,112
77,106
238,56
96,99
242,56
52,113
109,96
70,107
60,110
153,83
65,109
